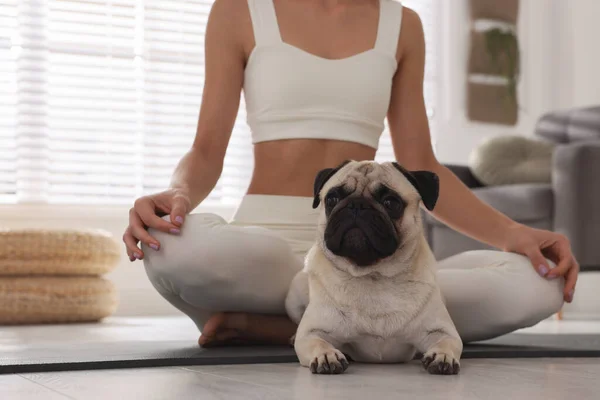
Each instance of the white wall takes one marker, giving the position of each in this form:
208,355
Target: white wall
579,59
559,69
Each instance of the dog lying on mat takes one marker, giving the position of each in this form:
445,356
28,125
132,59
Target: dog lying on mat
369,278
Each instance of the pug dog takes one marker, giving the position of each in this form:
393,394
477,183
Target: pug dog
368,289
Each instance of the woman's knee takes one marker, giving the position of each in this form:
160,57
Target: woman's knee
214,262
535,298
492,293
170,264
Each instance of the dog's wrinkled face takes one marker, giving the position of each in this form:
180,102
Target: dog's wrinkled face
370,213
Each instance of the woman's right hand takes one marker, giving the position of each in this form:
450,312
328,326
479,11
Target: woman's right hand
147,212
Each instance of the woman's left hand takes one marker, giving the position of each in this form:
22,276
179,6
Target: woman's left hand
539,245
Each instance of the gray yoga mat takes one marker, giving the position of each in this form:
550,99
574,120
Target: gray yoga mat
131,354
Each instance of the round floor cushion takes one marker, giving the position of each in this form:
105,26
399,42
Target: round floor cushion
60,252
509,160
37,300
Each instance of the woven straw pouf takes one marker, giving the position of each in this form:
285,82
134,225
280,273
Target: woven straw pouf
61,252
49,276
50,299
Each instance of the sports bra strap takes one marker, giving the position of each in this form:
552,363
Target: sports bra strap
264,22
390,21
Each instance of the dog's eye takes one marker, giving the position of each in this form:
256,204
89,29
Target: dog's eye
391,203
332,200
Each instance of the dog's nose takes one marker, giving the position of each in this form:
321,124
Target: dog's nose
359,204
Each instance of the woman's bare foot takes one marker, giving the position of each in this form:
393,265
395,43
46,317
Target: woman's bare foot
227,329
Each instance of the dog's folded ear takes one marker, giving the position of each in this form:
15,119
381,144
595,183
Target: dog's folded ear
427,184
322,177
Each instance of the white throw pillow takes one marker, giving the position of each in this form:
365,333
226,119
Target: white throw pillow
509,160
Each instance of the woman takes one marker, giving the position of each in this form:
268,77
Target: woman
319,78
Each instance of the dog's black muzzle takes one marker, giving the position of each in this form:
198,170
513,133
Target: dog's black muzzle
361,232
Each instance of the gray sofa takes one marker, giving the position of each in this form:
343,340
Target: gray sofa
569,205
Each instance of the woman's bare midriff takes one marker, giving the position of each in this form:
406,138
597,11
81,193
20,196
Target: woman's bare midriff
289,167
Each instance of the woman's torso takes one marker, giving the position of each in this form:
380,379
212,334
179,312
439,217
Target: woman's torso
311,43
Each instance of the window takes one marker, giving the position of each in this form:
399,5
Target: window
99,99
8,102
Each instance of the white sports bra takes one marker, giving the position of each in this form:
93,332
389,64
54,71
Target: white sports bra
292,94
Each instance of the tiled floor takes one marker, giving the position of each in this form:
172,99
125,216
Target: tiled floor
531,379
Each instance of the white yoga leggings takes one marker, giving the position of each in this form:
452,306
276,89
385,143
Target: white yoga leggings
247,265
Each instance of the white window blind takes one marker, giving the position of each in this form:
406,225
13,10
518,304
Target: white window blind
99,99
8,101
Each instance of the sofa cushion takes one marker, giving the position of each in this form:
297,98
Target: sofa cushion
508,160
523,203
574,125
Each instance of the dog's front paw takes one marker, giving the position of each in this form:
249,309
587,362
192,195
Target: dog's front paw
329,362
440,363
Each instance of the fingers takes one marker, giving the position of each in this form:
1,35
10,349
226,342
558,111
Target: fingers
145,211
144,215
566,266
565,260
571,281
179,210
561,269
539,261
133,251
569,269
139,232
